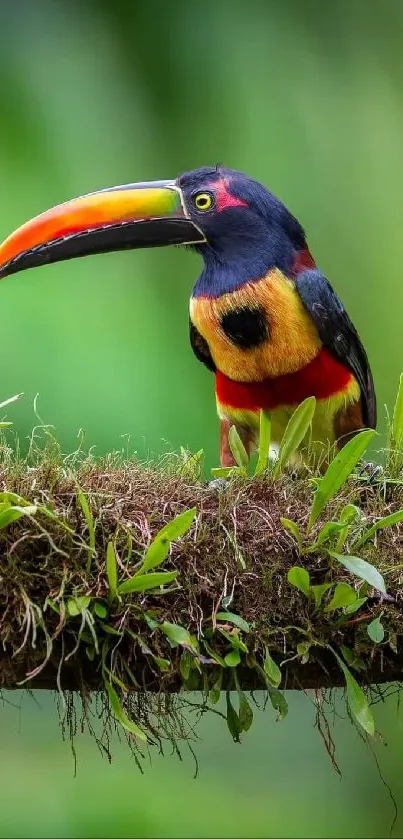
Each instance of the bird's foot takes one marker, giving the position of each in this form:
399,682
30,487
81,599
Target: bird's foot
371,471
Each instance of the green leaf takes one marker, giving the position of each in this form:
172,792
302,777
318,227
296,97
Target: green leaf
5,424
213,654
271,670
230,617
356,699
303,651
155,555
319,591
376,631
163,663
328,530
100,610
159,547
76,605
245,713
112,570
238,450
343,595
386,521
299,577
215,690
349,610
361,569
144,582
294,433
348,514
110,630
233,720
233,658
278,702
292,527
185,665
264,443
178,635
233,638
120,715
347,653
10,514
338,471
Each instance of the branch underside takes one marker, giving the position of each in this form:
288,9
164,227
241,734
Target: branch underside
81,677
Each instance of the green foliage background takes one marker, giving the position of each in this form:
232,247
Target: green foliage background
306,97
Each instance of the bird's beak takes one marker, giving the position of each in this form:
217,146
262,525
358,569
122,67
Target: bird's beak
130,216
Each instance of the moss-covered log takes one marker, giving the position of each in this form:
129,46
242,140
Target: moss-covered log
237,619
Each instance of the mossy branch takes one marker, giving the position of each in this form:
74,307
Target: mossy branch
71,535
128,580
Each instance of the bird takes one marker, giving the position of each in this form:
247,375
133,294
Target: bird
263,318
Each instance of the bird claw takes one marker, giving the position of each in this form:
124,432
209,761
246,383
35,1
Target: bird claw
372,471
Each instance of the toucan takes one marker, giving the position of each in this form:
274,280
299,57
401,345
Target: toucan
263,318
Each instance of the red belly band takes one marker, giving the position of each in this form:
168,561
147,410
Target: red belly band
322,377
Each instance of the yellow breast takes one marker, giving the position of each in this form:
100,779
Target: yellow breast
292,341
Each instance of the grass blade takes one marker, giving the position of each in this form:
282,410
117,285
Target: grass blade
338,471
386,521
111,570
238,449
264,443
226,471
396,430
294,433
144,582
86,511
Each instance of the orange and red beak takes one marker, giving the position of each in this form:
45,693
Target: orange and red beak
130,216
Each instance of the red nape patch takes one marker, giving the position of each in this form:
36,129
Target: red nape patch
322,377
302,259
224,199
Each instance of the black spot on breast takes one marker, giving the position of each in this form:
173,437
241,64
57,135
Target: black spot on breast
245,327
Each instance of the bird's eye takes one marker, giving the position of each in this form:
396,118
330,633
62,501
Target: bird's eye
203,201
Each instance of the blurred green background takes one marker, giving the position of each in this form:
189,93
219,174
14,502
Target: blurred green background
306,97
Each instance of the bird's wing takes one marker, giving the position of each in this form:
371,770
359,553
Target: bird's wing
338,334
200,347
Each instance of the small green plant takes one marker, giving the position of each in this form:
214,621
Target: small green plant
295,432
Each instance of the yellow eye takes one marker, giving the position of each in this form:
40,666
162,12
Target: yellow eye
203,201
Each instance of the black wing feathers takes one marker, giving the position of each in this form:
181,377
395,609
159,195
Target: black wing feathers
200,347
338,334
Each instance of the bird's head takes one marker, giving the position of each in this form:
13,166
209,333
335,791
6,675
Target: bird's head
240,229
